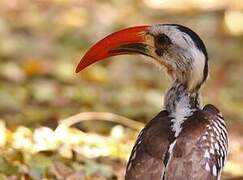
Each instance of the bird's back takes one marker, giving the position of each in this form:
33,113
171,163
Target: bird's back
146,160
197,153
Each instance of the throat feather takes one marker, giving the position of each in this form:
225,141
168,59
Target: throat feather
181,104
180,114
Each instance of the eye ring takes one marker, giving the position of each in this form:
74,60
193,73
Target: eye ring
163,39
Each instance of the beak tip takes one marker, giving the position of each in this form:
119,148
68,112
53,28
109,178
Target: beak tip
77,70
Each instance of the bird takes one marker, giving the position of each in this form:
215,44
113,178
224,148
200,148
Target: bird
186,140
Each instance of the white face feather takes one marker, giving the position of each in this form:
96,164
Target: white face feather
183,55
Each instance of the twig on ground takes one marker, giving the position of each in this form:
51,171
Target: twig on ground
102,116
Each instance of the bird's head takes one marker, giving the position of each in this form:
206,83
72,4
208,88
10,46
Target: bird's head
177,48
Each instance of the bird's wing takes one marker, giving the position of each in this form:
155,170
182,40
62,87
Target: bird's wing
201,148
149,151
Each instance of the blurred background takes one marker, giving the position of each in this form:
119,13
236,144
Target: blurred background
41,42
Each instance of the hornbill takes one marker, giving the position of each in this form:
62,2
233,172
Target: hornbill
185,140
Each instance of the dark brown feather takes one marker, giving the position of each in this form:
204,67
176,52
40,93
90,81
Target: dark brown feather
146,161
187,161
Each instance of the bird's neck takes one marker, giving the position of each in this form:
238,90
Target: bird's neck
179,101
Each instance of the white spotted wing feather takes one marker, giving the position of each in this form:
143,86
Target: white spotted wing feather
201,147
215,145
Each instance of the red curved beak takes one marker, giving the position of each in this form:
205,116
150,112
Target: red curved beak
126,41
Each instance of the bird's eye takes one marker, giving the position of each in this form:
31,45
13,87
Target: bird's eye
163,39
